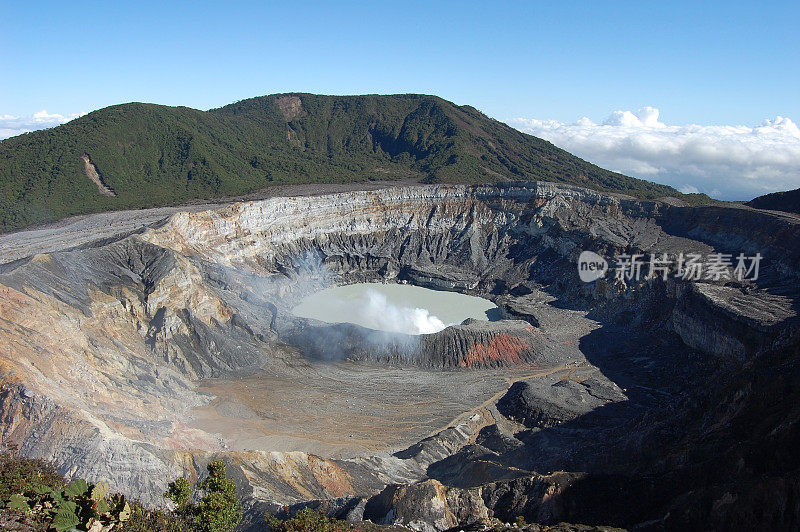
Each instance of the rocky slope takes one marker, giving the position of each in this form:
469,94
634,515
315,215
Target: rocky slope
140,357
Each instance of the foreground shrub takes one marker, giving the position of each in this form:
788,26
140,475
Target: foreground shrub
219,509
76,505
306,520
158,520
34,497
20,475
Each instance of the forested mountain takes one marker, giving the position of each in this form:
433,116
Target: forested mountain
140,155
788,201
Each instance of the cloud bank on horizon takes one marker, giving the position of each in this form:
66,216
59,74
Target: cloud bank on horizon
11,126
725,162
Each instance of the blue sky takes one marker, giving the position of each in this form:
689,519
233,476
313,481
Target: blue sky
707,63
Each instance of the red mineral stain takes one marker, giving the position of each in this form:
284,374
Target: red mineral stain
503,349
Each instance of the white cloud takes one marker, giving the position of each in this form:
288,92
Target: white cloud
727,162
646,117
11,126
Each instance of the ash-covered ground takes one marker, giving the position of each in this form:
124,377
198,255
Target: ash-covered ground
139,346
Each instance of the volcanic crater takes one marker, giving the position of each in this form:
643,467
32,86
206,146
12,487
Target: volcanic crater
162,344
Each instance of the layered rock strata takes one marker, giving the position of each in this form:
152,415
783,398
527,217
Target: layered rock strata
106,352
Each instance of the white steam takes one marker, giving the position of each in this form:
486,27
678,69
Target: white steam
375,311
392,308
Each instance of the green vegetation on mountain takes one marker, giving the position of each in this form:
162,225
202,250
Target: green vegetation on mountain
151,155
788,201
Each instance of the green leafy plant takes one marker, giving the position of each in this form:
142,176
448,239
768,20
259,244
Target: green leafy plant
158,519
18,502
19,475
33,496
306,520
78,504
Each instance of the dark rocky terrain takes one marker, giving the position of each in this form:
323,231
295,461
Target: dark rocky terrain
658,404
788,201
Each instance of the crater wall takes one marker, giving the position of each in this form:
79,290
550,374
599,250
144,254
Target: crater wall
108,347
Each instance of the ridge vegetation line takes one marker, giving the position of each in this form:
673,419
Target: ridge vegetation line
153,155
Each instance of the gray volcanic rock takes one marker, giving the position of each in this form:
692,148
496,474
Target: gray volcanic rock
431,506
427,506
120,359
728,321
546,402
493,438
536,498
474,344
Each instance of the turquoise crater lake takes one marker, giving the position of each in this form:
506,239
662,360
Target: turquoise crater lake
398,308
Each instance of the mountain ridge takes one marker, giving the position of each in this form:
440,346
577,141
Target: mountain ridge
785,201
152,155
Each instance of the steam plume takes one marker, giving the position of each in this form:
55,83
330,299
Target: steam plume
376,312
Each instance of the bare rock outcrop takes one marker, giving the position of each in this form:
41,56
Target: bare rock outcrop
546,402
109,350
